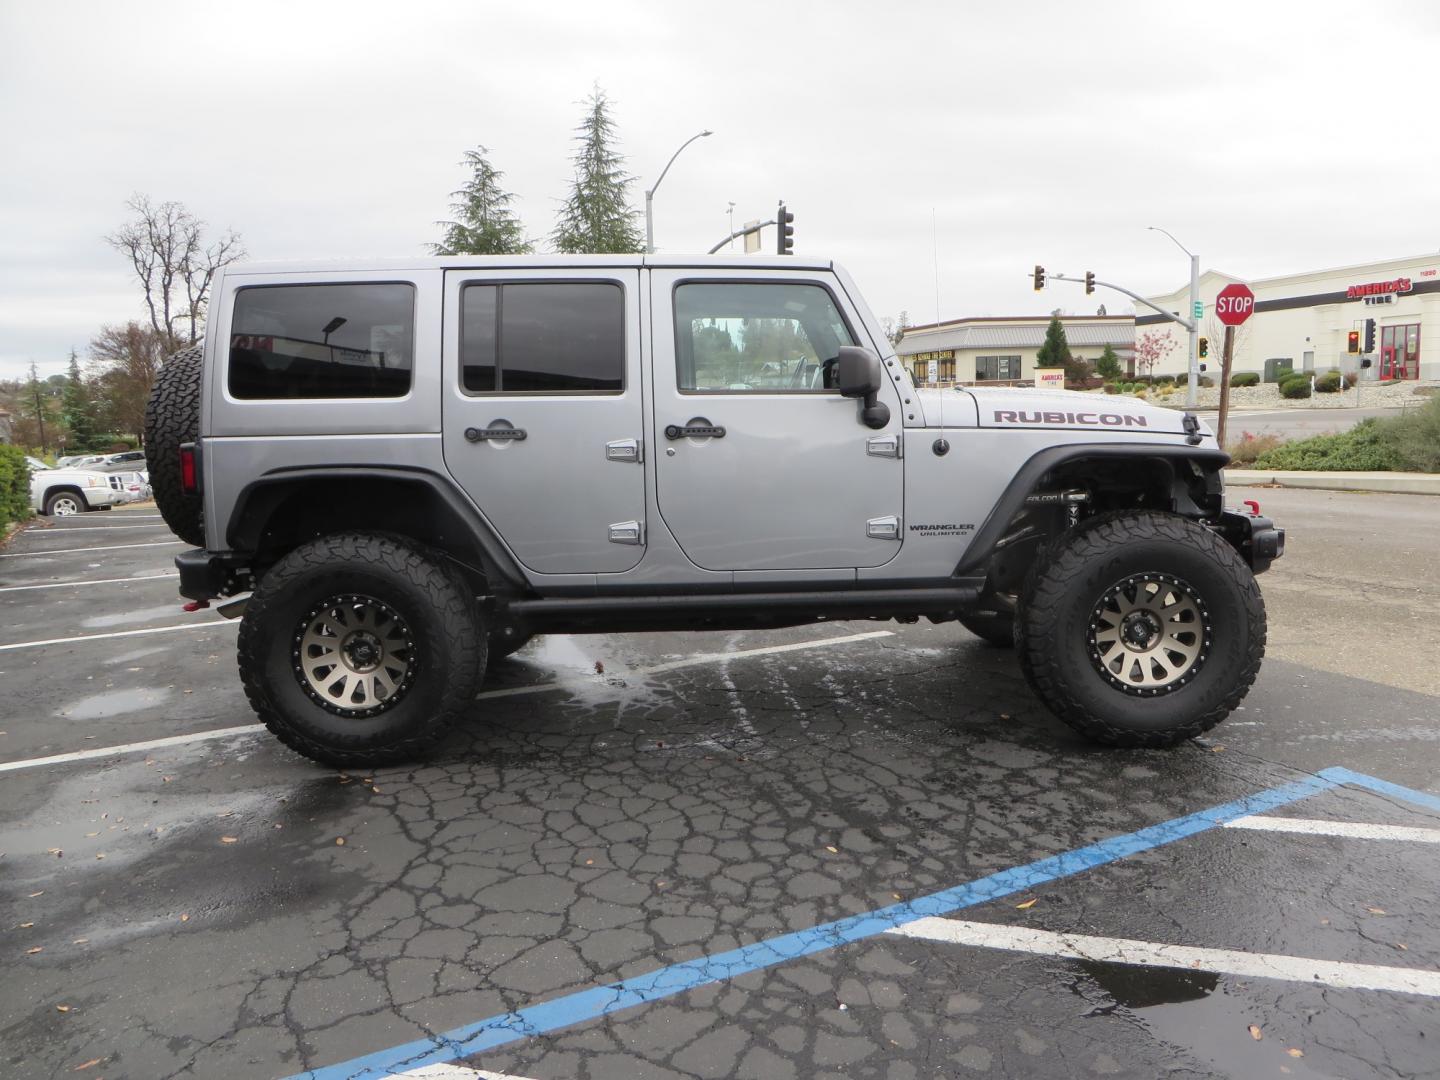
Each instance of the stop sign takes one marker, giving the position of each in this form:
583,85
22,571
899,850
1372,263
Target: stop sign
1234,304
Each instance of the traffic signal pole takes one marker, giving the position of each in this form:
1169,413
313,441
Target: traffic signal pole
1191,325
1194,381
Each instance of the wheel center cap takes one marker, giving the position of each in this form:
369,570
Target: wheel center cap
1140,630
362,651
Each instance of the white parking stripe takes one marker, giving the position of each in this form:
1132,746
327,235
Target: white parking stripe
111,547
220,733
1187,958
76,584
1358,830
199,624
454,1072
56,530
689,661
130,748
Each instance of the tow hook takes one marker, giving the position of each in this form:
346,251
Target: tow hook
195,605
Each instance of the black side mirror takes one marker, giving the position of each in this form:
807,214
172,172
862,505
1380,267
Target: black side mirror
861,376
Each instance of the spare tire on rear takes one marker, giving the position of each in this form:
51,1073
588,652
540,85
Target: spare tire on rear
172,417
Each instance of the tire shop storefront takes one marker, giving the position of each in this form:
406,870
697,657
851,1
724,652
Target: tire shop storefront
1308,319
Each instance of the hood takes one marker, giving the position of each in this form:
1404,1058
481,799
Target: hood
1020,407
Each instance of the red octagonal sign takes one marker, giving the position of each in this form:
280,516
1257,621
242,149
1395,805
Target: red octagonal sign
1234,304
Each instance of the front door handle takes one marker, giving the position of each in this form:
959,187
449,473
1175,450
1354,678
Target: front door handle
696,428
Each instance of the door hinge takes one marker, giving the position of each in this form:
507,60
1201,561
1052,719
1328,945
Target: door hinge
628,532
884,446
883,528
625,450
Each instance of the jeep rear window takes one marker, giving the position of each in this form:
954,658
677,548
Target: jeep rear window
757,337
322,341
542,337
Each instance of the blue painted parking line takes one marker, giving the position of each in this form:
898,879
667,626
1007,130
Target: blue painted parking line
596,1002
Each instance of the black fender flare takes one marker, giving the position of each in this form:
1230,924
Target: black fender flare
1028,477
260,498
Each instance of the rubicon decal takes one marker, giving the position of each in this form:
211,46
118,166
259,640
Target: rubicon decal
1020,416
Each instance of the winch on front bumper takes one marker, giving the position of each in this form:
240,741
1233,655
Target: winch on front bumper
1258,539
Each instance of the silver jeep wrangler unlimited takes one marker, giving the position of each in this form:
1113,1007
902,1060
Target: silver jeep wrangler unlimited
413,466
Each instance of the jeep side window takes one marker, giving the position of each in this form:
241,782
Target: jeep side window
761,337
543,337
322,341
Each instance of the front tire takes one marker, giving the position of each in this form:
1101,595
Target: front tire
1141,629
65,504
360,649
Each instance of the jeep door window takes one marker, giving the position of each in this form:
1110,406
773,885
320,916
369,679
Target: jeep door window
542,337
322,341
758,337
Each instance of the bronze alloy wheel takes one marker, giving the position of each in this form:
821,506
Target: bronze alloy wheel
354,656
1149,634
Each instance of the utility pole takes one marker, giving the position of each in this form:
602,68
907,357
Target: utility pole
1196,313
1227,355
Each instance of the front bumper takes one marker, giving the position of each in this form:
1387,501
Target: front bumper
209,575
1258,540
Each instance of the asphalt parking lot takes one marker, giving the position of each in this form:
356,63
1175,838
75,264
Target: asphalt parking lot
857,850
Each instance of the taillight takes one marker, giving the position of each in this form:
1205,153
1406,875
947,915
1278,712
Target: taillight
189,481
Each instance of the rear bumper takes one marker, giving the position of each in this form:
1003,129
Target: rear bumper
209,575
1258,540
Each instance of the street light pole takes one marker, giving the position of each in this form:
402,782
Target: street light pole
1193,382
650,194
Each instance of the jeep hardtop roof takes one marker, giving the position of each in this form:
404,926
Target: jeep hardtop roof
379,264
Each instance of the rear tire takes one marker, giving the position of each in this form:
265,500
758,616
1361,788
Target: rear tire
360,649
172,417
1141,629
995,628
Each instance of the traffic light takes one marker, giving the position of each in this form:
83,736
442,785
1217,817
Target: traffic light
784,231
1352,344
1039,278
1204,347
1369,335
1089,282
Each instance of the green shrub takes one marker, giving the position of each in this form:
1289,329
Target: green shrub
14,485
1206,381
1252,447
1329,383
1295,388
1112,388
1245,378
1164,380
1364,448
1414,437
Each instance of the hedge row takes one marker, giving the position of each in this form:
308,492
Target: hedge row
14,485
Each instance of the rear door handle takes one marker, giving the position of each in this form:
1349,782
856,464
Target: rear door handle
698,428
501,430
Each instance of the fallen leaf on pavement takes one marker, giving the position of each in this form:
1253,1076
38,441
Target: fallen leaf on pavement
81,941
1256,1033
229,839
1376,910
62,1008
1217,749
1295,1051
340,841
37,948
35,894
26,925
1028,904
599,668
57,852
184,916
832,849
89,1064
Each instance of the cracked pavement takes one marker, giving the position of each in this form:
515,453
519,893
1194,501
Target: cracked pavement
224,908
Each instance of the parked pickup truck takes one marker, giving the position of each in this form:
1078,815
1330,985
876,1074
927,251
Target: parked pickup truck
62,492
398,470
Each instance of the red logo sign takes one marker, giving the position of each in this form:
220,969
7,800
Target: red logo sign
1234,304
1378,288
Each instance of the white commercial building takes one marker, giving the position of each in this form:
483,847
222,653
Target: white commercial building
1002,350
1308,318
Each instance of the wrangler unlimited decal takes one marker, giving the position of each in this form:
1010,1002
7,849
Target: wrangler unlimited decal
1013,416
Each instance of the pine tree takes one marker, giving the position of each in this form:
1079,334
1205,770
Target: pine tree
35,399
1108,366
597,217
484,223
76,408
1056,350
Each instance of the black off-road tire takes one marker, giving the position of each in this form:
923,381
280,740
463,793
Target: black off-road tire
1056,620
995,628
172,417
444,624
507,640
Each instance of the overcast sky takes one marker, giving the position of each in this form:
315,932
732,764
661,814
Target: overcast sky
1268,137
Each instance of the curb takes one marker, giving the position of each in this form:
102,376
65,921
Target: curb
1390,483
